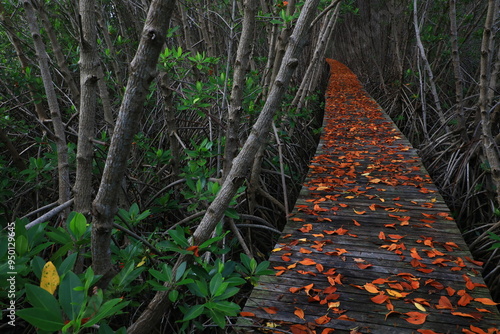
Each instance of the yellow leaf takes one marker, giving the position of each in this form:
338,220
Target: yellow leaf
276,249
394,293
50,278
419,306
271,325
141,263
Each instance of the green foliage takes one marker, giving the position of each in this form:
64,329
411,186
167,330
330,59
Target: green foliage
75,309
496,238
210,285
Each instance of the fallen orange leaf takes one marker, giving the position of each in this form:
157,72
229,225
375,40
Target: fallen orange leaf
307,262
305,251
466,315
444,304
371,288
299,329
416,318
364,265
323,320
270,310
247,314
379,299
299,313
485,301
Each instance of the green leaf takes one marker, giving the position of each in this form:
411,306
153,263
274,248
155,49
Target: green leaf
199,288
217,317
262,269
494,236
180,271
107,309
43,319
179,237
62,251
21,245
70,299
173,295
229,309
37,265
157,286
232,213
78,225
227,293
159,275
60,236
215,284
42,299
67,264
193,312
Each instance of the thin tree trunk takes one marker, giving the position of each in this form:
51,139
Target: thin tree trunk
58,53
240,67
283,41
427,67
142,72
62,150
16,158
16,42
89,64
109,44
319,53
489,146
455,55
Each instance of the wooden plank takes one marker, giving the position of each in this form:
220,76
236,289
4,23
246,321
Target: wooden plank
370,242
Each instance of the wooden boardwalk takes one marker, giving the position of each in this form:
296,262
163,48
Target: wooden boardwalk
370,246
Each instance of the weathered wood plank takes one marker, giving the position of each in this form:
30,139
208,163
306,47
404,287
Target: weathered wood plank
370,246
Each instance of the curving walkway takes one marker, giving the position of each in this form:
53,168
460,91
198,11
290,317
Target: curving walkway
370,246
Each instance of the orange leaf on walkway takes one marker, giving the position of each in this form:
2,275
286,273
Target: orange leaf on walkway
306,228
299,313
323,320
307,262
247,314
486,301
270,310
380,299
416,318
444,304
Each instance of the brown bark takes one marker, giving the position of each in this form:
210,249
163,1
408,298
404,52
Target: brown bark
318,55
89,64
235,102
489,145
142,72
62,151
457,70
282,41
427,67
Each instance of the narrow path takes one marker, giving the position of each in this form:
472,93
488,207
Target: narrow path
370,247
